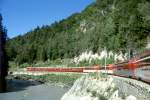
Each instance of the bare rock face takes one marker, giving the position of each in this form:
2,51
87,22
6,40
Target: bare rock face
91,87
131,97
101,87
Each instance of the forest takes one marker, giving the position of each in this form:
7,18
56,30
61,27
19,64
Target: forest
117,25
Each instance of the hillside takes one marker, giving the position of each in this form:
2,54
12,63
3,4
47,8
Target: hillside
118,25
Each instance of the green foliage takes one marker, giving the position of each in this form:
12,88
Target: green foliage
94,93
118,25
101,97
66,79
88,90
24,65
93,75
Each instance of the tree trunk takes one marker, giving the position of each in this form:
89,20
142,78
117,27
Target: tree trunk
3,58
2,84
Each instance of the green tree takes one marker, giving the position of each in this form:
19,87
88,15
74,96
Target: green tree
3,57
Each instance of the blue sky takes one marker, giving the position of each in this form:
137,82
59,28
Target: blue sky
21,16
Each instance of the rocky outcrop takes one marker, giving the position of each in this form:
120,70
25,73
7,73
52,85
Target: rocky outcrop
128,86
95,87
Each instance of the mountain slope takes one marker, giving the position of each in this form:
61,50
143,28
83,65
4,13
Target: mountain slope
118,25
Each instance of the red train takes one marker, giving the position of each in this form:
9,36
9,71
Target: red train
49,69
138,68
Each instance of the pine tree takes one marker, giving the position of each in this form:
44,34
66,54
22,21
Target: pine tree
3,58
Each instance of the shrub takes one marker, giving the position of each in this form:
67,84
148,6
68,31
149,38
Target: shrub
101,97
94,93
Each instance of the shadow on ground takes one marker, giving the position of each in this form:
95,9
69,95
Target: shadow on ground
20,85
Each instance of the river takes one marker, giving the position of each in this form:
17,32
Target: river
32,90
